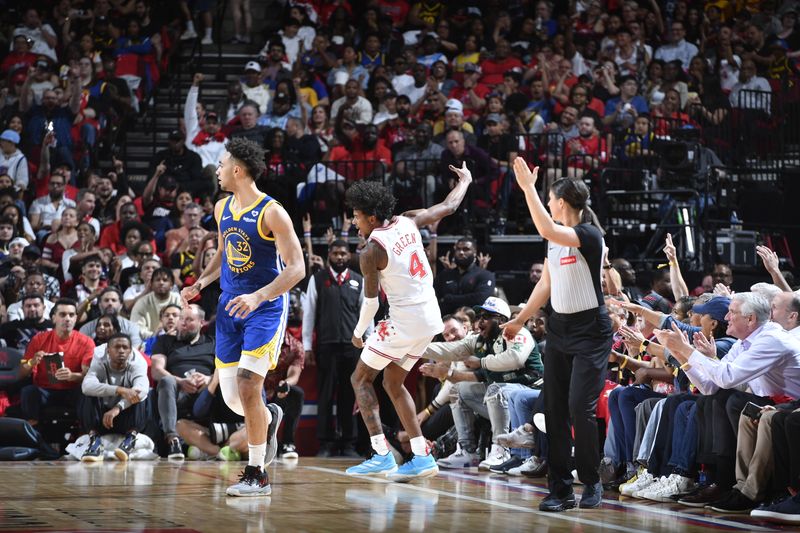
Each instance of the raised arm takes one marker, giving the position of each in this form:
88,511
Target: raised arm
679,288
449,205
545,225
772,264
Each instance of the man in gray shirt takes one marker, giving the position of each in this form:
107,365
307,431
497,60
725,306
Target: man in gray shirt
110,301
114,389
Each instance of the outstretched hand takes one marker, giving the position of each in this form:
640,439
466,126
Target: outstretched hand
669,248
769,257
463,173
526,178
511,328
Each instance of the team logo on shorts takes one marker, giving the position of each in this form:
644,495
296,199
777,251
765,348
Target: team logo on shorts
237,251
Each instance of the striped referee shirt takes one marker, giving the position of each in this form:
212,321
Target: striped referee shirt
575,273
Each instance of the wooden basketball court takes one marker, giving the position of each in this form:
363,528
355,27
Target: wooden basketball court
308,495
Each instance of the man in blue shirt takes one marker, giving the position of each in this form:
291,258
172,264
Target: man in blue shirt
622,110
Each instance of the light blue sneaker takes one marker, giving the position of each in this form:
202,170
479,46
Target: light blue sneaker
379,465
418,467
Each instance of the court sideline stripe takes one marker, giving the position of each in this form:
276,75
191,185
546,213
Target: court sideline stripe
554,516
619,504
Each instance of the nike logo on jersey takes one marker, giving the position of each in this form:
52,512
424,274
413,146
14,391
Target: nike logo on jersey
226,218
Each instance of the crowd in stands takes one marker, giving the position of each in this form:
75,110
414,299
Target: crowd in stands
397,91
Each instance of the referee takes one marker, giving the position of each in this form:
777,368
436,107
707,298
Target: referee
578,333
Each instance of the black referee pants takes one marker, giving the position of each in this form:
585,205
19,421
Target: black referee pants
576,358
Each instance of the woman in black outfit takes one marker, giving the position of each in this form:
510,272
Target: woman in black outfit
578,333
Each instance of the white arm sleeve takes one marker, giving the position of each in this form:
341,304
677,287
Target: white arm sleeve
368,310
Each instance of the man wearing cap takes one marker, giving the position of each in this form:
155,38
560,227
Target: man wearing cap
281,109
182,164
397,132
453,120
493,364
158,202
206,140
471,93
254,88
500,145
12,161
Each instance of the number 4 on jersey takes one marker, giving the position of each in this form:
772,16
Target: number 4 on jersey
416,267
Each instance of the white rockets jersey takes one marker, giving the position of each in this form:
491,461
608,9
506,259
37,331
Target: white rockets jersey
407,279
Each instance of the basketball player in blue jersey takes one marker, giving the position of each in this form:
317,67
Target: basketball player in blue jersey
258,261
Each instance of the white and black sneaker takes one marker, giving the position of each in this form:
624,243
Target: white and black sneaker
289,451
253,482
175,451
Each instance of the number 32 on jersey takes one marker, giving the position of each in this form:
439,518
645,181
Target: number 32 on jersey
416,268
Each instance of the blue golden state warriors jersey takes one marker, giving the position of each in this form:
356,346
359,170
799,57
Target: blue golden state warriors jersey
250,258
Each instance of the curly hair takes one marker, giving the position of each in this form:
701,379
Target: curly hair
249,154
371,198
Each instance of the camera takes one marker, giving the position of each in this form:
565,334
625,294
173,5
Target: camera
752,411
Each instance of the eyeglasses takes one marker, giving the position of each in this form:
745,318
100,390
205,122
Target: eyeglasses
490,316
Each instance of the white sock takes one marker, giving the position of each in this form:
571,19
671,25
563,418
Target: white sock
208,33
257,454
419,446
190,25
379,444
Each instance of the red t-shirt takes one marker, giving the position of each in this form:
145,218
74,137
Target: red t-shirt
493,69
77,349
462,95
593,146
70,191
396,9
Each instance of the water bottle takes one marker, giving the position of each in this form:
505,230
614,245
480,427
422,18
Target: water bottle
736,224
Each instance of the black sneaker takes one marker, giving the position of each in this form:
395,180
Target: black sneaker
349,451
289,451
608,471
253,482
175,452
503,468
94,453
272,432
554,504
125,448
592,496
736,502
325,450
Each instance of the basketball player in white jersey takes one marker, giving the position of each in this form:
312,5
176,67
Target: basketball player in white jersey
394,259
